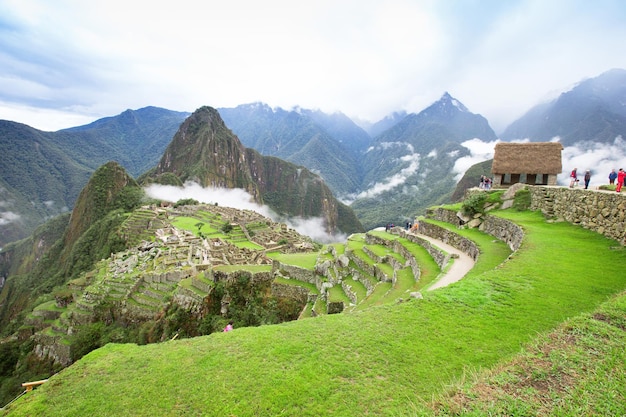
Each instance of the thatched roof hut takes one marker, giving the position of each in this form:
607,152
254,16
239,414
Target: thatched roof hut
531,163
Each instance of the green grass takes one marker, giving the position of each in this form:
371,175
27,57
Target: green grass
249,268
357,287
578,369
247,244
50,305
303,260
392,359
336,294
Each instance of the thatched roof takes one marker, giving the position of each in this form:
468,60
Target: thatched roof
527,158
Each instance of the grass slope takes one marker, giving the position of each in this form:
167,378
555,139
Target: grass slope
386,360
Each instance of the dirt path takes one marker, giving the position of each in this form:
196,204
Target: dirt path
460,266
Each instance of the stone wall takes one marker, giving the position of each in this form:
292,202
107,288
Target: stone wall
440,257
603,212
443,215
51,347
294,292
504,230
297,273
461,243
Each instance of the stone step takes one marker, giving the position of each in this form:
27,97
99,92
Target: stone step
146,300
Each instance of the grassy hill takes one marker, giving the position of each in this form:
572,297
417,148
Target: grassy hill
539,332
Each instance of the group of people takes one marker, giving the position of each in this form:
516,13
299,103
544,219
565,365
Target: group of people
485,183
618,178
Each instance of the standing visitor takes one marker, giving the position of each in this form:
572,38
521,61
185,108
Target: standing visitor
229,326
612,176
621,176
587,178
573,178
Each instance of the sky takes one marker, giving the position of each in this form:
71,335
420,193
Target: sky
66,63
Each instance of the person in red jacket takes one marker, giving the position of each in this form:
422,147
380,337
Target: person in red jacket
573,177
621,175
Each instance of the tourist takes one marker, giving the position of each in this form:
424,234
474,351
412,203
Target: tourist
573,178
612,176
229,326
587,178
621,176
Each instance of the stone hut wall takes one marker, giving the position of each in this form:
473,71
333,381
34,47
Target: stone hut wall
603,212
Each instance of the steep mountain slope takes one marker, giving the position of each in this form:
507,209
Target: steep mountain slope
389,121
43,172
205,151
68,245
39,180
470,179
135,139
593,111
329,145
409,167
342,128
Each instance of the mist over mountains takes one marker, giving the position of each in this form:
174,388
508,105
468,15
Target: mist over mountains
388,171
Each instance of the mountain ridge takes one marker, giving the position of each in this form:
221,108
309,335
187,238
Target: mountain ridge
592,111
205,151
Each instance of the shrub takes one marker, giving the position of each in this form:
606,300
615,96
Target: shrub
87,338
607,187
474,204
521,201
187,202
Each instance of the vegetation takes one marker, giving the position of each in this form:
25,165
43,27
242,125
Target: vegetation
475,204
486,344
44,172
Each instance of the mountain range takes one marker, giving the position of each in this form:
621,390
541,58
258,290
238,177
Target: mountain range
387,172
43,172
594,111
75,218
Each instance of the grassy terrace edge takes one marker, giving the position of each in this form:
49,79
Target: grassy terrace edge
387,360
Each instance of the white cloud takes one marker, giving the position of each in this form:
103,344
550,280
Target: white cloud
85,60
396,179
480,151
7,217
240,199
599,158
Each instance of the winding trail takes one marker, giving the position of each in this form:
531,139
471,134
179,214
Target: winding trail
459,268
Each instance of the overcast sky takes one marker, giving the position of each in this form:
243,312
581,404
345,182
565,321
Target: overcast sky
65,63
